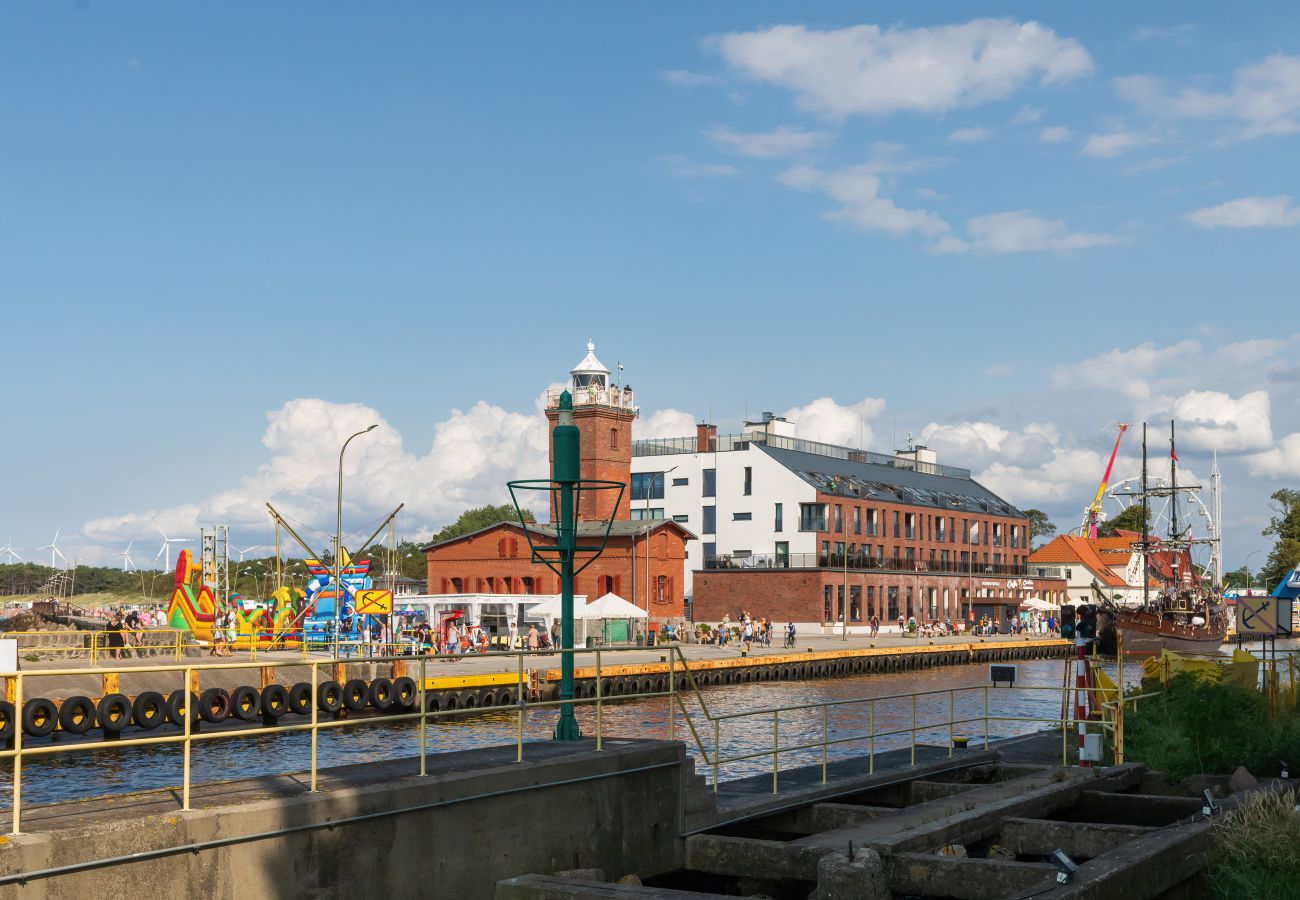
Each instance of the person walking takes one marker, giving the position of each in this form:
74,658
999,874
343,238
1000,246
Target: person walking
875,625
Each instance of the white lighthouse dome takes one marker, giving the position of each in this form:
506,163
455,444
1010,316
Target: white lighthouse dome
591,372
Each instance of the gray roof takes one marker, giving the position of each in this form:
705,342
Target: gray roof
868,481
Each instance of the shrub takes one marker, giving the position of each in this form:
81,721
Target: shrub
1198,726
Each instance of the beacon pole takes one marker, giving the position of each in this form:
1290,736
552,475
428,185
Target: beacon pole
566,475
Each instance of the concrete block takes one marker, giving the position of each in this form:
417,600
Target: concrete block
860,877
581,874
933,875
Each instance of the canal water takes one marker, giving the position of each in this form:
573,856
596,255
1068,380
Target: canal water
106,770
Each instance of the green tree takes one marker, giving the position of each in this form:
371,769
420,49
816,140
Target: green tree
1285,526
478,518
1239,578
1040,526
1129,520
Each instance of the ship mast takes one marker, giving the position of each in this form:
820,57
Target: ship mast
1146,541
1173,507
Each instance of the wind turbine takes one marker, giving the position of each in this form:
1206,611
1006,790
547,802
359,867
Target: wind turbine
166,549
245,550
127,561
53,547
8,549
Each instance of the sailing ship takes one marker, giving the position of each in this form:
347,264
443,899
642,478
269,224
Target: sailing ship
1185,612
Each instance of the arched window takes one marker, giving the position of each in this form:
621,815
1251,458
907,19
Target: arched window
613,439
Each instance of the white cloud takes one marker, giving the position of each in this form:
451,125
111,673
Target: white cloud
684,78
1249,212
1154,165
1125,372
666,423
969,135
683,167
827,421
784,141
1027,114
1281,461
857,190
1213,420
1264,97
1054,134
1116,143
867,69
930,193
976,444
1019,231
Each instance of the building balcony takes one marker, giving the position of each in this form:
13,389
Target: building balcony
862,563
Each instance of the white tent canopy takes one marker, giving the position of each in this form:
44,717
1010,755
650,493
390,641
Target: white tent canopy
550,608
612,606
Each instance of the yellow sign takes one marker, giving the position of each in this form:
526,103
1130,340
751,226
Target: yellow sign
374,602
1257,615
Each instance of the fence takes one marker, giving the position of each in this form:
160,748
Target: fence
706,734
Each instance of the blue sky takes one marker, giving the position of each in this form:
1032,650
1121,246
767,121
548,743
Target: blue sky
997,234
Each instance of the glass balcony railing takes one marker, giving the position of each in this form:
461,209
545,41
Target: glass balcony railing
859,562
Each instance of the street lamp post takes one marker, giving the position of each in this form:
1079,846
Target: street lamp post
338,541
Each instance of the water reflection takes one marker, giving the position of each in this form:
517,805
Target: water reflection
114,771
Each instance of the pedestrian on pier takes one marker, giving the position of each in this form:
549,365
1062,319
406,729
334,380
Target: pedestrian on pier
875,625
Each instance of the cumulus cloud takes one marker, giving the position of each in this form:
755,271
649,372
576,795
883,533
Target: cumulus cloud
857,191
1249,212
1263,99
969,135
783,141
1213,420
867,69
832,423
1116,143
1125,372
1020,231
1281,461
1054,134
666,423
977,444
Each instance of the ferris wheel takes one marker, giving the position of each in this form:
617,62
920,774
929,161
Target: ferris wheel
1172,512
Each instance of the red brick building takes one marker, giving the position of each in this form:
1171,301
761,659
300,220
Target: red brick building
644,560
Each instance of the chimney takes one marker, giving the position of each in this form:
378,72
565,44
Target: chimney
706,438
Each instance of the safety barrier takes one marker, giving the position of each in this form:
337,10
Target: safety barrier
103,645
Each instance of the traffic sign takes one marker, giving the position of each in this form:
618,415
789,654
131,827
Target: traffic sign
1257,616
373,602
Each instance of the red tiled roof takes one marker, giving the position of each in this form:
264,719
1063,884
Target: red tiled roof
1067,548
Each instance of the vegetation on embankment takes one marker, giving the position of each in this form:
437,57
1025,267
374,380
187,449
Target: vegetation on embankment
1199,726
1258,849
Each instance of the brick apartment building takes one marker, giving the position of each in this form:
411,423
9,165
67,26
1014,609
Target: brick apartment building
789,526
644,561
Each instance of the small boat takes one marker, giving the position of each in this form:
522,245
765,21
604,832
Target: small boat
1185,624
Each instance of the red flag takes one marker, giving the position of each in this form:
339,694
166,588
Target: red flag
1173,454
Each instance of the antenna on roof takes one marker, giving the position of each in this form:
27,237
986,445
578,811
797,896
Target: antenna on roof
909,440
619,365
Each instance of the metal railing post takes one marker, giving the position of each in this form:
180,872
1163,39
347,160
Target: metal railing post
776,745
16,826
986,717
914,729
190,700
952,716
599,704
825,738
672,696
519,696
717,751
94,648
424,715
315,715
871,731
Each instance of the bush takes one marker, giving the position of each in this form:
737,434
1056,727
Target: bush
1258,853
1199,726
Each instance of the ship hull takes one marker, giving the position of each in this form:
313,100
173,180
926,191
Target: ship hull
1147,633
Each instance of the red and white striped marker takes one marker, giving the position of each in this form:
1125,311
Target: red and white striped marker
1081,696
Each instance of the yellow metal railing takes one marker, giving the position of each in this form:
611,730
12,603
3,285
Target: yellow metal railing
98,645
710,751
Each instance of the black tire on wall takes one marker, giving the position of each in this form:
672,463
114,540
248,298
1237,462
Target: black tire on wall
245,703
275,700
77,715
356,695
381,693
113,712
40,717
329,696
468,699
300,699
406,693
177,704
149,709
214,705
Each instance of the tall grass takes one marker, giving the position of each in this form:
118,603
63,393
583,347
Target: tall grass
1258,849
